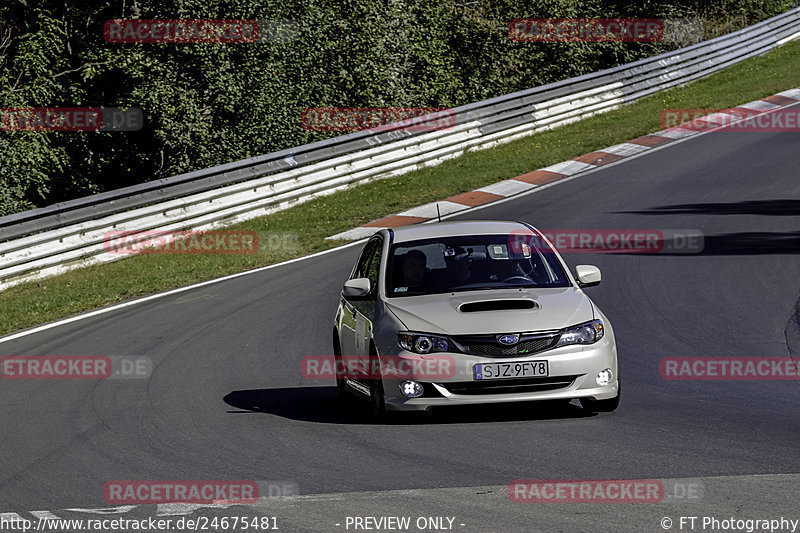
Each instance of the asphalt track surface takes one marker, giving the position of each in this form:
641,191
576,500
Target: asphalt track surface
226,399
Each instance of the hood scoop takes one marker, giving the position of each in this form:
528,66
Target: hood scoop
498,305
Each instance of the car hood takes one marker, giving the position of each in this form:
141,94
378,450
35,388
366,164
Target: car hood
445,313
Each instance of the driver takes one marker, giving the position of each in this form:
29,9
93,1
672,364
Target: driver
414,268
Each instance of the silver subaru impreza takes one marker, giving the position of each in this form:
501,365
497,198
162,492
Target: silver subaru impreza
460,313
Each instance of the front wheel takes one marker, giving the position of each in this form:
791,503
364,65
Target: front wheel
376,397
602,406
376,394
338,368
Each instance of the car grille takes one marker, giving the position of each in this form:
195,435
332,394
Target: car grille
487,345
509,386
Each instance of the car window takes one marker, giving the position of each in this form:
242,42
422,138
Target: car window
363,261
369,264
453,264
373,268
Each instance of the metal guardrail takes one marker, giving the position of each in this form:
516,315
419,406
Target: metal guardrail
50,240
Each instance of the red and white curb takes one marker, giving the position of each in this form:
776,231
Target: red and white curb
573,167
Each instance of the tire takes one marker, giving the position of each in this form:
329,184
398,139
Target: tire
376,398
341,388
602,406
376,394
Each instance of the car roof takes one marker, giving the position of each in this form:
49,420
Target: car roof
457,229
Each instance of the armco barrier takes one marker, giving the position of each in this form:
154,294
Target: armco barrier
53,239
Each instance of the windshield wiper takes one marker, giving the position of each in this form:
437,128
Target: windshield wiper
485,287
475,288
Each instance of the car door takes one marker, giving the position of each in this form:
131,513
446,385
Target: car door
365,308
356,314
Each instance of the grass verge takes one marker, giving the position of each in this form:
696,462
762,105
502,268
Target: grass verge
302,229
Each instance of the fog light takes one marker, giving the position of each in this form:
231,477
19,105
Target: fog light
604,377
411,389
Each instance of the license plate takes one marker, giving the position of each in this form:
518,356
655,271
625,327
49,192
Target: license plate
521,369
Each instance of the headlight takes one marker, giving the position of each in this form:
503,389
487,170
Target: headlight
588,333
422,343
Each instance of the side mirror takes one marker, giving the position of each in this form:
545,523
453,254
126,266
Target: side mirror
356,288
587,275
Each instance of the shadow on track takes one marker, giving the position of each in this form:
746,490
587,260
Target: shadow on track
751,243
750,207
322,405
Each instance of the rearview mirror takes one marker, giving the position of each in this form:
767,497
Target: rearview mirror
356,288
587,275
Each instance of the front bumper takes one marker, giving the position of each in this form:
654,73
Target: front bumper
572,373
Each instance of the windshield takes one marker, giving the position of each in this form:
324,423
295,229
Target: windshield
453,264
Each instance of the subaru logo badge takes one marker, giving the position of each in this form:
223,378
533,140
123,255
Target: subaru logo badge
508,340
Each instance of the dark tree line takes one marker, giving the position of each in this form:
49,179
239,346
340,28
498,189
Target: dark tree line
207,104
